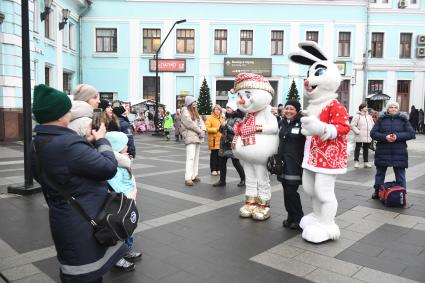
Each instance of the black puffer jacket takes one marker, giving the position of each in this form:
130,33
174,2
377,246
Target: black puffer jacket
291,150
227,133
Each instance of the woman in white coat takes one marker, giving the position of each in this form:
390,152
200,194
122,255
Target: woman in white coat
361,125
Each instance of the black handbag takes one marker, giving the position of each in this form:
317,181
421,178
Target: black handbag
275,164
117,219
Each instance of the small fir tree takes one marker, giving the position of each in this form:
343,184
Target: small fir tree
204,100
293,92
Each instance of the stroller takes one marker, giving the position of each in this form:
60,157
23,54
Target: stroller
139,126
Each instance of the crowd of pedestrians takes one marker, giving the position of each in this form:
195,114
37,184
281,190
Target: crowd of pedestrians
91,160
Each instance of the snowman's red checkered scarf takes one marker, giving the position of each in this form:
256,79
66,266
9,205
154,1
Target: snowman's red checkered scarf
246,130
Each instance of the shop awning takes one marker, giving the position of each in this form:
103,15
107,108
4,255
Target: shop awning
378,96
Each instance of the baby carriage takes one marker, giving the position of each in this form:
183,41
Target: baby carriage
139,126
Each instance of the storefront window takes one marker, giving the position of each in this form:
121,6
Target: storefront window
149,87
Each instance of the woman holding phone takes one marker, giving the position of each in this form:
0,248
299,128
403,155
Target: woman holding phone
391,131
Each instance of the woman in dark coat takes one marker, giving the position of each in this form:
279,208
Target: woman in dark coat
291,151
126,128
391,132
82,169
233,116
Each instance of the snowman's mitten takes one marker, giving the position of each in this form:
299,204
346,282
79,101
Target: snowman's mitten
311,126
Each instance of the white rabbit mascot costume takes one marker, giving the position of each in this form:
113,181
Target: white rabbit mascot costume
255,140
325,153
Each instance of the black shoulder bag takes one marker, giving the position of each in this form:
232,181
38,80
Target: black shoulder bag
117,219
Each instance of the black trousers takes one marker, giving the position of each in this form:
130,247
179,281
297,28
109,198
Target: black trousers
214,160
365,146
236,164
292,202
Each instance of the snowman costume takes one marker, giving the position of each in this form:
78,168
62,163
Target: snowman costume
325,155
255,140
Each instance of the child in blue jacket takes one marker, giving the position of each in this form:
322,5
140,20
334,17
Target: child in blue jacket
123,182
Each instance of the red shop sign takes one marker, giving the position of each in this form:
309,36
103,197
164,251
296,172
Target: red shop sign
168,65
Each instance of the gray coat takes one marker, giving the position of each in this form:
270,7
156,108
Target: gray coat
361,125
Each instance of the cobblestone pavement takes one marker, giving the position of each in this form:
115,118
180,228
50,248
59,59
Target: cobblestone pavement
194,234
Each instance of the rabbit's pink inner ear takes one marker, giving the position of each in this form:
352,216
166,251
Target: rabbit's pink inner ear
300,59
314,50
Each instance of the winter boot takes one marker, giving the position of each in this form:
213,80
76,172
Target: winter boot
247,209
262,211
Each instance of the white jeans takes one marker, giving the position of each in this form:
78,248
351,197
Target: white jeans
257,180
192,161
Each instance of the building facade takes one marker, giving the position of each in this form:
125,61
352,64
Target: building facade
55,53
379,46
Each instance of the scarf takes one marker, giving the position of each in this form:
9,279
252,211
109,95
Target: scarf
246,130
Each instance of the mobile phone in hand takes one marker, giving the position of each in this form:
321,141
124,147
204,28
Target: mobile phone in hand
96,118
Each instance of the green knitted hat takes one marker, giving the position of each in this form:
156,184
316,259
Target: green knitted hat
49,104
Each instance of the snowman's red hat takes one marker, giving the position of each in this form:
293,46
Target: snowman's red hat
252,81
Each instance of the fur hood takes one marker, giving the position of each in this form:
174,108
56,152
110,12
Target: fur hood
403,115
123,160
81,109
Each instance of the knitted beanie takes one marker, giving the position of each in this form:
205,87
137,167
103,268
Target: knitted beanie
252,81
118,140
49,104
188,100
392,103
104,104
294,103
119,110
84,92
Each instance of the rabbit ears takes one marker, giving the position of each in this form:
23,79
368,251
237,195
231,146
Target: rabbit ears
309,54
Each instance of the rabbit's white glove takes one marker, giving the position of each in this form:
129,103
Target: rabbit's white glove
311,126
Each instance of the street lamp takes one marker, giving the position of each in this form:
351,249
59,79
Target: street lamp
28,187
65,16
157,78
47,9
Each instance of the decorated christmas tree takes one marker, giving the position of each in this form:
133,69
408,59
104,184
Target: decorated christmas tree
204,100
293,92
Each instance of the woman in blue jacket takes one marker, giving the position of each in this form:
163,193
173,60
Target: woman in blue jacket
126,128
81,168
391,131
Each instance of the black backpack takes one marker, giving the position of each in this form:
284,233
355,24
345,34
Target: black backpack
115,222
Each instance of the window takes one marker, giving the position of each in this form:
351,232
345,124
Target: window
375,87
246,42
71,36
151,40
67,78
36,16
47,75
344,93
277,42
405,45
344,44
403,95
413,2
185,41
312,35
48,23
220,41
149,87
377,44
106,40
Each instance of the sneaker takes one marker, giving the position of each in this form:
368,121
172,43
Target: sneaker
214,173
196,180
356,164
188,183
291,225
133,256
124,265
367,165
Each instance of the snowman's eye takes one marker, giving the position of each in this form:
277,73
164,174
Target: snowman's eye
239,95
308,73
320,72
248,95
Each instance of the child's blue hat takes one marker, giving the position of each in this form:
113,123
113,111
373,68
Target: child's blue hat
118,140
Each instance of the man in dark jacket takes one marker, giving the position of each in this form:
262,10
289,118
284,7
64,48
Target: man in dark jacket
291,151
82,169
414,118
126,128
391,132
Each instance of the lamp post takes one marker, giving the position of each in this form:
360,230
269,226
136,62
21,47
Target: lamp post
28,187
155,119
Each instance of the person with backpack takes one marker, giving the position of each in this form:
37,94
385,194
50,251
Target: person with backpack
291,152
83,169
124,182
391,131
361,125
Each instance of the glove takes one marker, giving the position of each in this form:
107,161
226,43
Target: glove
311,126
